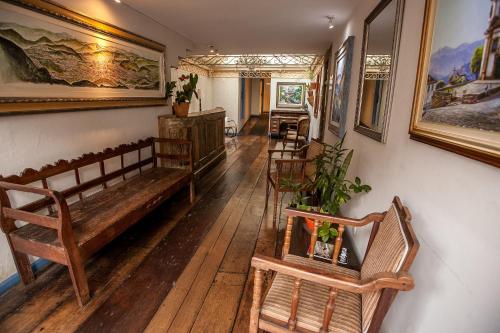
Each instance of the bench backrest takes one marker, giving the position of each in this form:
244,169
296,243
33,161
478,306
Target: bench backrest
392,248
147,156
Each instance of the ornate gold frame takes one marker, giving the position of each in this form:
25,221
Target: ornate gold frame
15,106
483,149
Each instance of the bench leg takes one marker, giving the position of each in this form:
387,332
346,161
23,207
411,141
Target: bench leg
78,278
192,192
23,266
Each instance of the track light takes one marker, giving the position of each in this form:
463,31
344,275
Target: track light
331,24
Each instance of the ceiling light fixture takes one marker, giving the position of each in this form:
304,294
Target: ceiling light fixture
331,24
212,49
118,1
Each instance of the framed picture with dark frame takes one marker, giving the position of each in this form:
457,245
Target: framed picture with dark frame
457,94
342,65
290,95
55,59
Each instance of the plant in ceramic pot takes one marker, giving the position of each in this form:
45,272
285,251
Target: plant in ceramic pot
331,191
185,94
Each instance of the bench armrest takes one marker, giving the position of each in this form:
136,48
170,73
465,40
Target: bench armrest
8,214
398,281
370,218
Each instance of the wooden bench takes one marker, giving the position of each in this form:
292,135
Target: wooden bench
68,226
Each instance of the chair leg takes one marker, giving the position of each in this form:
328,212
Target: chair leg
256,301
267,192
78,277
192,192
276,199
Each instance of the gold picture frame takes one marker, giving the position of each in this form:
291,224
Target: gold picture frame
151,93
475,143
284,92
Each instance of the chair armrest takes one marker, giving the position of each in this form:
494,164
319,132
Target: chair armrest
373,217
398,281
272,151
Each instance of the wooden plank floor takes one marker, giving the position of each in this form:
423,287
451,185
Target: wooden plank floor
184,268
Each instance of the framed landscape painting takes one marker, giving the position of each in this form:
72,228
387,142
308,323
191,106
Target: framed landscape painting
53,59
290,95
457,95
341,78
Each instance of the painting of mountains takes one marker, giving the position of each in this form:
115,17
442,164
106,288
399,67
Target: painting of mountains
463,86
59,61
457,95
39,56
447,60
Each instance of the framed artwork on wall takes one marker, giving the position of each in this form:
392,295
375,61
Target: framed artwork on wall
53,59
290,95
457,95
341,79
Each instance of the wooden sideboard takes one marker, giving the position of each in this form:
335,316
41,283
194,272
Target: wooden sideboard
206,131
279,117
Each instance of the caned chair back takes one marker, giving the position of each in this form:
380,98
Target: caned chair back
303,127
392,248
314,150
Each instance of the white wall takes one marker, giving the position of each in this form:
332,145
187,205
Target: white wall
255,101
35,140
455,203
225,93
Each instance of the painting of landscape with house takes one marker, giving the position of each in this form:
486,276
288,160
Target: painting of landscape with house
463,82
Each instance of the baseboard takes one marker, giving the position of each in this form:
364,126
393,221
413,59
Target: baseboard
14,279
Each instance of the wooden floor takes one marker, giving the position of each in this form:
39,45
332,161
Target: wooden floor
184,268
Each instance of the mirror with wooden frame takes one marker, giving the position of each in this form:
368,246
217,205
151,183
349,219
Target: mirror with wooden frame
379,56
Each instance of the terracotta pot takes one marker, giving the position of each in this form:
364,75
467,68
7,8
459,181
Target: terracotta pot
310,224
181,110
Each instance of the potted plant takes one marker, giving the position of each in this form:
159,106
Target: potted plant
184,95
331,191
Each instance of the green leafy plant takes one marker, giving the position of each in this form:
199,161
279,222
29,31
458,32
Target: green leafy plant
185,94
327,232
298,200
169,89
332,187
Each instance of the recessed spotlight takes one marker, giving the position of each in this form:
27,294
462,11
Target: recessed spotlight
331,24
118,1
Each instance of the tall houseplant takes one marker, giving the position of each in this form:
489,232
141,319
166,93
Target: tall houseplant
331,190
185,94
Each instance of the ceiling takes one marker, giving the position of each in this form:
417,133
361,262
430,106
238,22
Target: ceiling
251,26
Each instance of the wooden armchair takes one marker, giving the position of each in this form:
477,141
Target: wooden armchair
312,296
299,168
297,134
